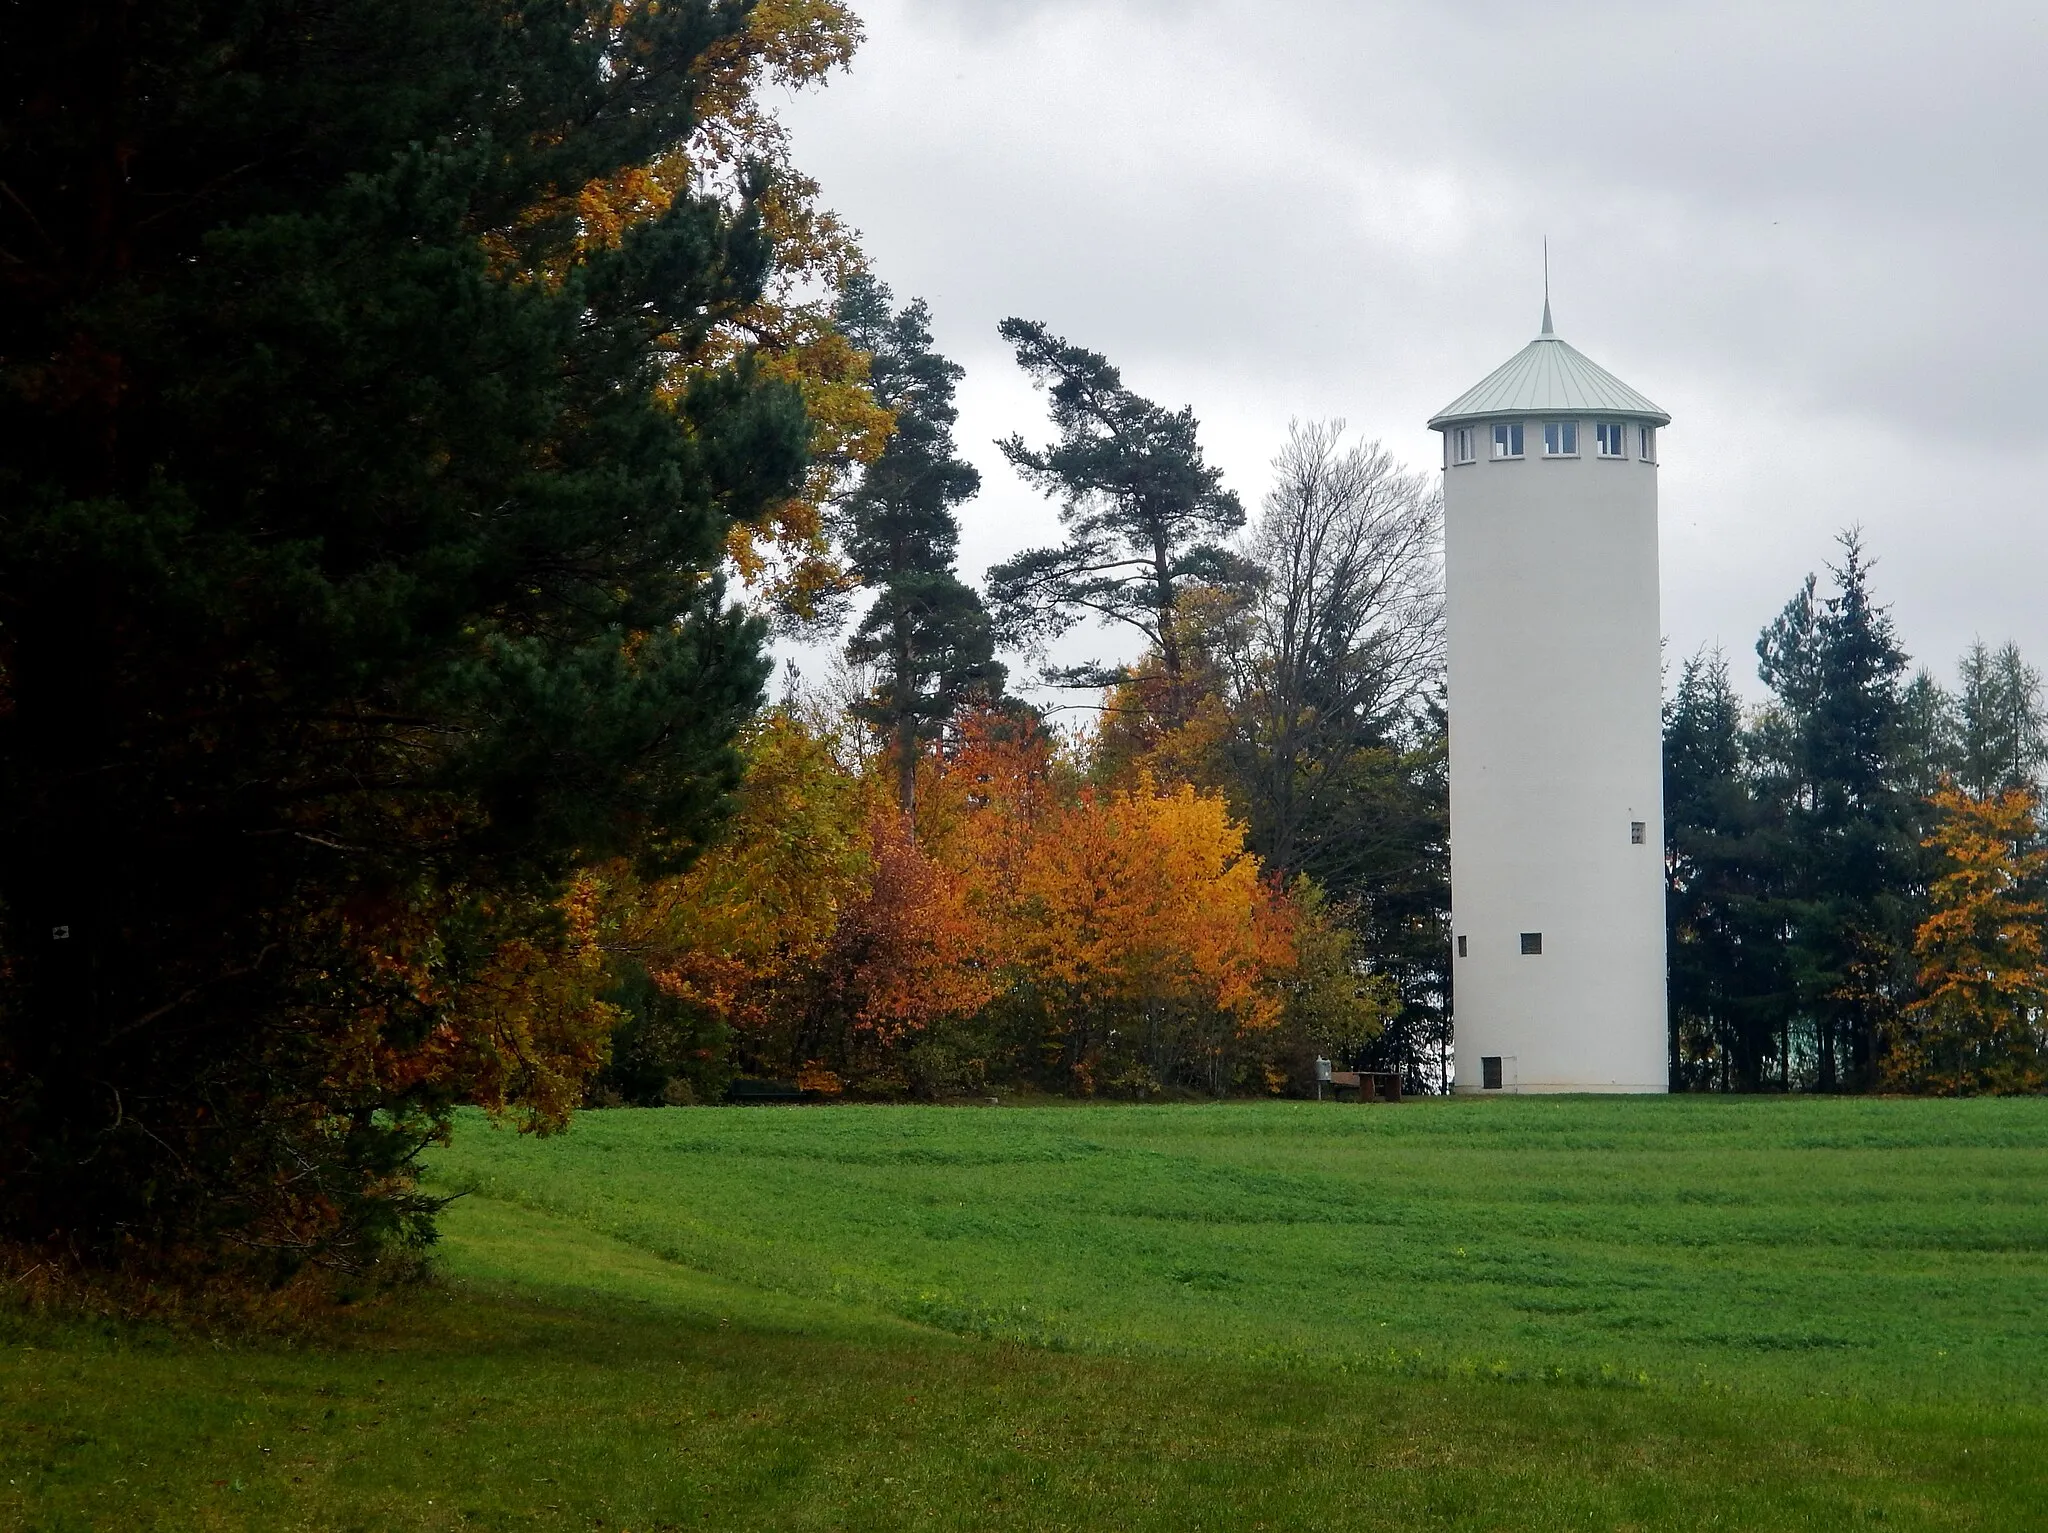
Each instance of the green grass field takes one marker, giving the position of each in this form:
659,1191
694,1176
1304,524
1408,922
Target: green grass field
1519,1313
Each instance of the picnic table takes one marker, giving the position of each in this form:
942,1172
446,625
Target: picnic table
1371,1085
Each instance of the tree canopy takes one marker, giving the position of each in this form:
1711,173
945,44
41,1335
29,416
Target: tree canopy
926,631
1145,514
358,579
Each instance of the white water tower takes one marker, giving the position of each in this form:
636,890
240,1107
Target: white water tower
1557,793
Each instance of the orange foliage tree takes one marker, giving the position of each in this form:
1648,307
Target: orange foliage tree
736,944
1143,907
912,950
1977,1026
1025,924
1133,925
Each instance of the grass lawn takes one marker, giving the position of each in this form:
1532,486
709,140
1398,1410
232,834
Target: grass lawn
1519,1313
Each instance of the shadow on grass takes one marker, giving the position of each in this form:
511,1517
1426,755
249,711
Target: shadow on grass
559,1379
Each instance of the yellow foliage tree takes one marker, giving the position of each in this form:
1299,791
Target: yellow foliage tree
1976,1027
742,935
1142,908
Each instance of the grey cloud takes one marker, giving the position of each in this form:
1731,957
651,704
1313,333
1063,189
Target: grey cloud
1813,231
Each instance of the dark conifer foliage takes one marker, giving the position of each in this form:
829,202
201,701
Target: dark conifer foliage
1797,874
1848,876
2000,736
927,631
1144,513
1728,977
355,571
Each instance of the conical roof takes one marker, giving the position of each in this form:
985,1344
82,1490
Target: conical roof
1547,377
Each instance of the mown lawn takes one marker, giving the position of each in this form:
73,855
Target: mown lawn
1529,1313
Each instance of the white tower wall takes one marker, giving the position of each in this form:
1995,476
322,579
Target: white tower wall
1555,743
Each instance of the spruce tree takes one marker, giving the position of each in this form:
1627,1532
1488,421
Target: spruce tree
1929,735
359,526
1727,975
1847,871
1145,515
927,631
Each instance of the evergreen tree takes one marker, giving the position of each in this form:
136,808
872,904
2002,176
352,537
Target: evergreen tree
2001,742
357,578
927,630
1393,864
1144,515
1847,870
1727,975
1929,736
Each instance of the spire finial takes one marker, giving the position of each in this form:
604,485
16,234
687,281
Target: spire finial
1546,286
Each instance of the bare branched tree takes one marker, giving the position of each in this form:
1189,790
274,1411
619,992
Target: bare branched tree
1344,639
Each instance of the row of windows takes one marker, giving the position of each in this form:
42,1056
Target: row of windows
1611,439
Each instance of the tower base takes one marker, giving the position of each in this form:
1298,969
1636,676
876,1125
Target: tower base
1563,1088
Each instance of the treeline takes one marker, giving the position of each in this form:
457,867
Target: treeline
390,396
415,419
1856,866
926,892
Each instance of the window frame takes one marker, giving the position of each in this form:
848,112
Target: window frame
1560,431
1610,440
1463,448
1646,443
1504,433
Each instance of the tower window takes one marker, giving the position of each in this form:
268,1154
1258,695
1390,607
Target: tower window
1646,443
1489,1072
1560,439
1507,439
1638,832
1532,944
1613,439
1461,945
1462,448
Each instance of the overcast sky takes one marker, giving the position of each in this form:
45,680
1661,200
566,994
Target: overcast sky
1814,233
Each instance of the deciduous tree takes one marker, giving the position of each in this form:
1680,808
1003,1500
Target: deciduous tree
1344,637
1977,1025
732,950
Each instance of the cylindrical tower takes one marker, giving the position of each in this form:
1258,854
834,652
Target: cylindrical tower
1557,793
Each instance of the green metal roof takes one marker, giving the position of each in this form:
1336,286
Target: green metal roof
1547,377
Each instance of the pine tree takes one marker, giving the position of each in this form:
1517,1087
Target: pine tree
1144,515
927,630
357,579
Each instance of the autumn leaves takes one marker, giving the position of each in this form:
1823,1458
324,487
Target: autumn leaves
1083,934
